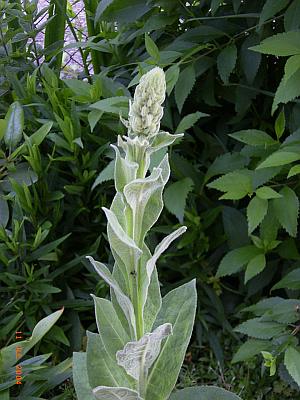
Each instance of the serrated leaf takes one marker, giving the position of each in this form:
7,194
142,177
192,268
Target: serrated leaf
138,357
290,281
292,363
119,393
287,90
175,197
151,48
14,125
295,170
250,349
204,393
234,261
250,60
282,44
189,120
172,75
226,62
253,137
178,308
123,300
226,163
259,329
286,210
279,158
184,86
106,174
255,267
292,65
271,8
265,192
236,185
256,212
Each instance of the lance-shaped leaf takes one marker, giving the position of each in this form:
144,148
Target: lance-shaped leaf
165,243
102,367
14,125
204,393
80,377
122,299
163,139
123,247
145,197
120,393
138,357
178,308
109,326
125,170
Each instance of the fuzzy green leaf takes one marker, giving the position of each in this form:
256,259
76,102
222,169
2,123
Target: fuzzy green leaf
204,393
80,377
226,62
236,259
256,212
118,393
286,210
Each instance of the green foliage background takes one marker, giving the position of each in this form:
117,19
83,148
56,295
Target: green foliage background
233,73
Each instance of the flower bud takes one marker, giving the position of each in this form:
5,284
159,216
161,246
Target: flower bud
145,112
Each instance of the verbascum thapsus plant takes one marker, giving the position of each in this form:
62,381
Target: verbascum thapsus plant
142,339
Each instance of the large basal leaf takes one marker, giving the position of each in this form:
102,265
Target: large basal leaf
138,357
14,125
287,209
102,367
178,308
292,363
120,393
80,377
123,300
204,393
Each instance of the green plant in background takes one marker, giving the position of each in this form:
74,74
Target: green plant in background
27,378
132,356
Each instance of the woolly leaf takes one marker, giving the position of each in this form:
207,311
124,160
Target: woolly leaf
80,377
292,363
138,357
226,62
184,86
234,261
118,393
256,211
204,393
286,210
175,197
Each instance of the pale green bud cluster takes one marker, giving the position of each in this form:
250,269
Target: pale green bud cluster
145,112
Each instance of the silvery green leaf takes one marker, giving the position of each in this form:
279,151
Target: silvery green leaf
102,367
163,139
125,170
204,393
163,245
124,248
178,308
138,357
120,393
80,377
109,326
145,198
123,300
